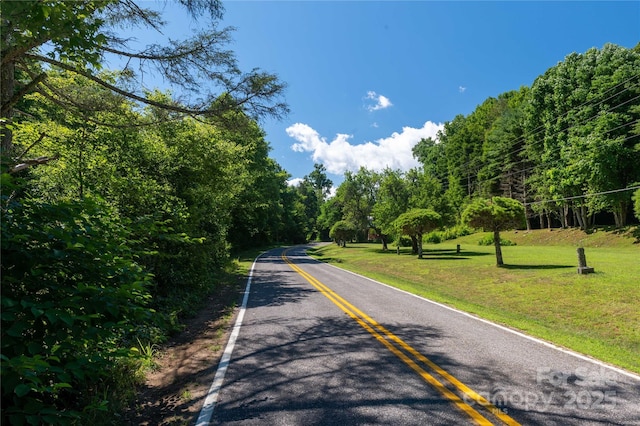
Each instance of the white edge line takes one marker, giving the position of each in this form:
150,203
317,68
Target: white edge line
510,330
212,396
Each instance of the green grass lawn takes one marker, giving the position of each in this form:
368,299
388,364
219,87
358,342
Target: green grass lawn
538,291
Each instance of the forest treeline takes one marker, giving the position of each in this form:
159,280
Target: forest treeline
120,205
567,148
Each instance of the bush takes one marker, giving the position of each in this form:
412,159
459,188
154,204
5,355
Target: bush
488,241
402,241
72,299
433,237
456,231
436,237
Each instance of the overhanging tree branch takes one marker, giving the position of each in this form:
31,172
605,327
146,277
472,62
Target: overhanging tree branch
116,89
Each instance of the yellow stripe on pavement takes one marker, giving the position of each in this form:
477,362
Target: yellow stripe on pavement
367,322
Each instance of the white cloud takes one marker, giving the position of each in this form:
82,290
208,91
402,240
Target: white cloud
339,155
382,102
461,89
294,181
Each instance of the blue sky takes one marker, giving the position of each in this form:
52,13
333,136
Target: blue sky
368,79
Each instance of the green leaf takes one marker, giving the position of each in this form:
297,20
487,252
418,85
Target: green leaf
66,318
17,329
22,389
34,348
36,311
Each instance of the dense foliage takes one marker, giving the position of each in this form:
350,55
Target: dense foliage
151,210
341,232
567,147
73,298
120,209
566,150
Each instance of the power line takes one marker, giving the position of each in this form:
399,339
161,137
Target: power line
533,143
540,128
613,191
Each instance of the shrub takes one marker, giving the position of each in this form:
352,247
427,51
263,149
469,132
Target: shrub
436,237
402,241
488,241
433,237
72,298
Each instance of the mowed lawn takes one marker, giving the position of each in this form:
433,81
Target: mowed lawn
538,291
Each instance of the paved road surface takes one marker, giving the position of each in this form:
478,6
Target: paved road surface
322,346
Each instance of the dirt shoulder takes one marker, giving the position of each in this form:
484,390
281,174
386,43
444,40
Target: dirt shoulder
186,365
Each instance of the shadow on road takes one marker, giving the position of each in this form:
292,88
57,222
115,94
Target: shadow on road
297,365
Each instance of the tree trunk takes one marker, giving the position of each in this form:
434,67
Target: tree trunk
384,242
414,245
419,246
583,220
496,243
7,84
620,214
565,217
548,215
527,209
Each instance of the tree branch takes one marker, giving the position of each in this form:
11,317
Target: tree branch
115,89
17,96
33,162
42,136
10,55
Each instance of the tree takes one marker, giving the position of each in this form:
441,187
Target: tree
580,121
41,36
314,189
123,232
308,196
320,182
504,172
392,201
636,204
495,215
425,192
341,232
358,194
330,213
430,153
416,223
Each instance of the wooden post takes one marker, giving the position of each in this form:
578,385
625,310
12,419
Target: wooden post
458,249
398,250
582,263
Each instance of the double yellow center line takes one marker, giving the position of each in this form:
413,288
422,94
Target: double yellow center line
403,351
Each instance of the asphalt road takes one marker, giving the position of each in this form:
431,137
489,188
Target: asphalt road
322,346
